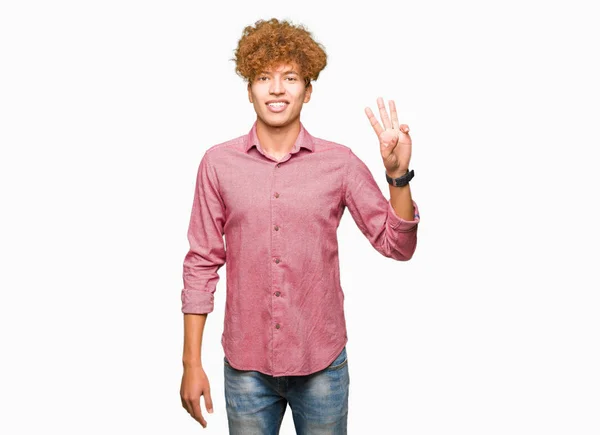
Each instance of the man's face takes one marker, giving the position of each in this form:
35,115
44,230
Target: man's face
278,95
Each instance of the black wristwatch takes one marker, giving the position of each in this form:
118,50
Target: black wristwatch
400,181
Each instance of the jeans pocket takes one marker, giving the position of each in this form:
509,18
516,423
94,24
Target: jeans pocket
340,361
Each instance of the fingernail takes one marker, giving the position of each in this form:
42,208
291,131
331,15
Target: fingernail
210,410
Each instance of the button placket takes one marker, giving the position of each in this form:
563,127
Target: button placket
278,307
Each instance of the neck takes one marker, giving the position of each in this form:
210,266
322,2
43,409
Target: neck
277,141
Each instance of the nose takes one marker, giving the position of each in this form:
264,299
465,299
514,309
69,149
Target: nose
276,87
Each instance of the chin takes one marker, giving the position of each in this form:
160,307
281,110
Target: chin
275,122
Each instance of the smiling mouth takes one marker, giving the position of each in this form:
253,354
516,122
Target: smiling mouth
277,106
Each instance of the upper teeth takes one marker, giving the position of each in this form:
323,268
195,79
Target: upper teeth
277,104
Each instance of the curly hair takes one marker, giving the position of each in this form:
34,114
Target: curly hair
273,42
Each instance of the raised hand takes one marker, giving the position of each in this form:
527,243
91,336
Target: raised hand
395,143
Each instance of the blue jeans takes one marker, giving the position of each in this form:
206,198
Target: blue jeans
257,402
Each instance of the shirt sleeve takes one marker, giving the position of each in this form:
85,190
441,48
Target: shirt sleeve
374,215
207,248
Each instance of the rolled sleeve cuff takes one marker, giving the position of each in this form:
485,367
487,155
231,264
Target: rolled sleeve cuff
399,224
196,302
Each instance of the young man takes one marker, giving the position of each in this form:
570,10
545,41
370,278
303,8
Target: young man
277,195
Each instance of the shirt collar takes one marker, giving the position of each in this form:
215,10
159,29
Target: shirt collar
304,140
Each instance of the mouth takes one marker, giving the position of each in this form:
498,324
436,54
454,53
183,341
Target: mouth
277,105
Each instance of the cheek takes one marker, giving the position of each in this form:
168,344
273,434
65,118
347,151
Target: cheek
300,97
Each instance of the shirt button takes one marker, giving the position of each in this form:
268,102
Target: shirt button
277,293
278,164
276,195
277,326
277,260
276,227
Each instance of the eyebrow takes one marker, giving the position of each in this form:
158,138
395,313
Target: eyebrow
291,71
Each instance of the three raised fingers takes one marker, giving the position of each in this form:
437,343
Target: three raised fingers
387,122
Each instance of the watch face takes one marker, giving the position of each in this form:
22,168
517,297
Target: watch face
401,181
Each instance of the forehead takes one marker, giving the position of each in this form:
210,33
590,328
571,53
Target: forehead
282,68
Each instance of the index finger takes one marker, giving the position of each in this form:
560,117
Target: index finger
197,413
374,123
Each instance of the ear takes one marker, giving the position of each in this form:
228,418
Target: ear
250,92
308,93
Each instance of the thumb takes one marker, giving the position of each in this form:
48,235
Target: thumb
208,402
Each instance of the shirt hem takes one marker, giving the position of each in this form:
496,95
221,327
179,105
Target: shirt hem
330,359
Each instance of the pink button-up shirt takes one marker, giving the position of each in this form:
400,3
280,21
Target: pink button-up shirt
284,311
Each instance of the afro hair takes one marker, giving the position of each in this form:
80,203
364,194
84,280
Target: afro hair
273,42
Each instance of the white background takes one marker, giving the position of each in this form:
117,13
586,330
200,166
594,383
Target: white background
106,109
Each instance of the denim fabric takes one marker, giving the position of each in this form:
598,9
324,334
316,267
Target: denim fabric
256,402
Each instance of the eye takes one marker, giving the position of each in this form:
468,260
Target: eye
262,78
292,79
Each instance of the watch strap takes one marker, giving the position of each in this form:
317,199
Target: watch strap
400,181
